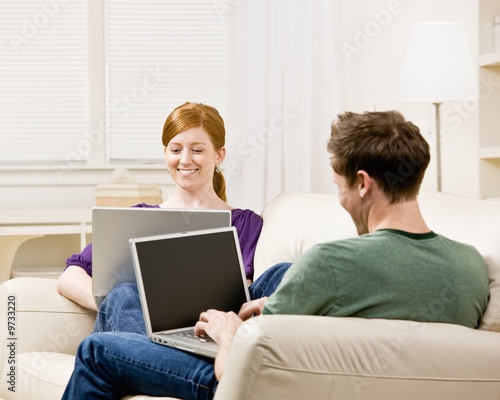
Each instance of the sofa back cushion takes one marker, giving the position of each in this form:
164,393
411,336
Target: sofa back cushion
293,222
476,222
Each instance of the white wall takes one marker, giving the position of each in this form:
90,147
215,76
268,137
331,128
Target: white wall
368,78
71,188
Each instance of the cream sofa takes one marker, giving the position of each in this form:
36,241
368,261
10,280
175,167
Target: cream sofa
298,357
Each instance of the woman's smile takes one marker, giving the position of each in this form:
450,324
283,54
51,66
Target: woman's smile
187,172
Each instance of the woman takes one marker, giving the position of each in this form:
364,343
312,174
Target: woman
193,153
194,138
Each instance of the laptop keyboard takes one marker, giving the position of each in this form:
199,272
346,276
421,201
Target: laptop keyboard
190,335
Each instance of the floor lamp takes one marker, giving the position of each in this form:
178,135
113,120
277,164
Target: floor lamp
437,68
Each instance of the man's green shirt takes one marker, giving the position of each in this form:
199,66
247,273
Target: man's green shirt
387,274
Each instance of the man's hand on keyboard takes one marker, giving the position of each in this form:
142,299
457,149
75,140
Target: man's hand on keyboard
219,325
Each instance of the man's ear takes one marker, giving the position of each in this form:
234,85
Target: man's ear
364,183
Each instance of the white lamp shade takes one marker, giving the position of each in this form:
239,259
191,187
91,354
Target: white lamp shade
438,65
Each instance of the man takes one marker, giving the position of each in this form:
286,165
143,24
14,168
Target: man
395,267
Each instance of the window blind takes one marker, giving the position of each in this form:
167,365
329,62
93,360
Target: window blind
159,54
43,81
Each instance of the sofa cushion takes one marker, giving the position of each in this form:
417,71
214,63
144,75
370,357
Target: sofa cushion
48,321
44,376
40,375
476,222
295,357
294,222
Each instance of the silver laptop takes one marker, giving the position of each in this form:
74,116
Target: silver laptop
181,275
112,227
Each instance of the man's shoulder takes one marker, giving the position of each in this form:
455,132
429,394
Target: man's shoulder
461,249
367,239
342,248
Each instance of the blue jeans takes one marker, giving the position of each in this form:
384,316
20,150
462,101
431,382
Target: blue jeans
113,364
121,311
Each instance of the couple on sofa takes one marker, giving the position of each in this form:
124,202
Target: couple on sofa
395,265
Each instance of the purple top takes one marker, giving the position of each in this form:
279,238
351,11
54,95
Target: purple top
247,223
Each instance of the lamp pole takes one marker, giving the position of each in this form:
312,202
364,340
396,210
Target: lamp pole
438,145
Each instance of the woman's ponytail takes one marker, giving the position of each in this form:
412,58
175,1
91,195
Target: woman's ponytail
220,185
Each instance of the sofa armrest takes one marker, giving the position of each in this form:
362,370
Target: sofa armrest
44,320
297,357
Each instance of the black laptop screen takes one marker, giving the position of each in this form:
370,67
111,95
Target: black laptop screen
186,275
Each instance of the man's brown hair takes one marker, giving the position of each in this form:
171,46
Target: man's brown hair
386,146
